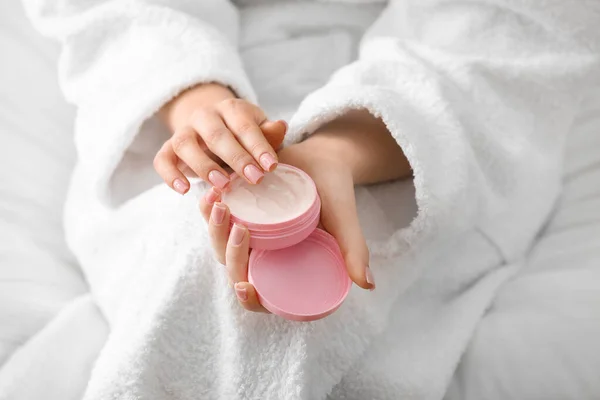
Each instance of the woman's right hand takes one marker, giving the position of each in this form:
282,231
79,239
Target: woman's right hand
213,129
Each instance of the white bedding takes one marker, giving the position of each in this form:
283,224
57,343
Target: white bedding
47,341
538,340
38,276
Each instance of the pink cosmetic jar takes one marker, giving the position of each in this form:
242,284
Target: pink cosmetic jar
297,270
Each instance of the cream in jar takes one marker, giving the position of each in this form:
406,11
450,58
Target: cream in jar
283,195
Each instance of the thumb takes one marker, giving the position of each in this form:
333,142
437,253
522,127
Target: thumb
339,217
274,132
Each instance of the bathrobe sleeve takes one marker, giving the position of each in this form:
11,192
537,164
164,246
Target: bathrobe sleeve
480,96
119,51
122,60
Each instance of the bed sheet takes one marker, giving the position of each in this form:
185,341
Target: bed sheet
539,340
38,275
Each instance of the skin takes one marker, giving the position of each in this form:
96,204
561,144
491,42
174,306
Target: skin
352,150
213,129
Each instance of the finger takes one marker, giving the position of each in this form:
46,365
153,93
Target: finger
218,230
223,144
274,132
236,254
187,148
183,167
248,298
206,202
243,120
165,164
339,217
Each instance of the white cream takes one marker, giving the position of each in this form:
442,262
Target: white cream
282,195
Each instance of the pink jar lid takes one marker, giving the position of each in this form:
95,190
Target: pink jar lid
304,282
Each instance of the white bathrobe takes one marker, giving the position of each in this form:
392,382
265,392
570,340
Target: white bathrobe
480,95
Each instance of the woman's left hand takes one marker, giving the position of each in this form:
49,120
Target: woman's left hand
335,185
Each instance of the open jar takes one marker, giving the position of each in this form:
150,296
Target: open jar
298,270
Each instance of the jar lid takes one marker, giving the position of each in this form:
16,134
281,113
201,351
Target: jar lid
304,282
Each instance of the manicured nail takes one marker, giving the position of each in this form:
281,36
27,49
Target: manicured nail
237,234
253,174
241,293
218,179
268,162
211,196
369,277
218,213
180,186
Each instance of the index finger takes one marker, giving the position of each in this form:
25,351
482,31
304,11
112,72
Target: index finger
244,120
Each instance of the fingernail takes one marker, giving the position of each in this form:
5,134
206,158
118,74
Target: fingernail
369,277
237,234
218,179
211,196
268,162
253,174
180,186
218,213
241,293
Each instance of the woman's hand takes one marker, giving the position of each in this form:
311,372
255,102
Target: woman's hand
354,149
338,216
212,128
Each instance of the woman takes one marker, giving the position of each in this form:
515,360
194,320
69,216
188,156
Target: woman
474,98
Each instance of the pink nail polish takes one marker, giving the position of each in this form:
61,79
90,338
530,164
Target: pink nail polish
241,293
369,277
268,162
217,179
237,235
253,174
180,186
211,196
217,214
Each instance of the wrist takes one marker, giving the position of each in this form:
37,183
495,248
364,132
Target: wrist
177,112
361,143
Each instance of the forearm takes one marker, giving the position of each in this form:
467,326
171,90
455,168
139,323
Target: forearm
361,142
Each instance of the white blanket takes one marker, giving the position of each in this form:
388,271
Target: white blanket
479,95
